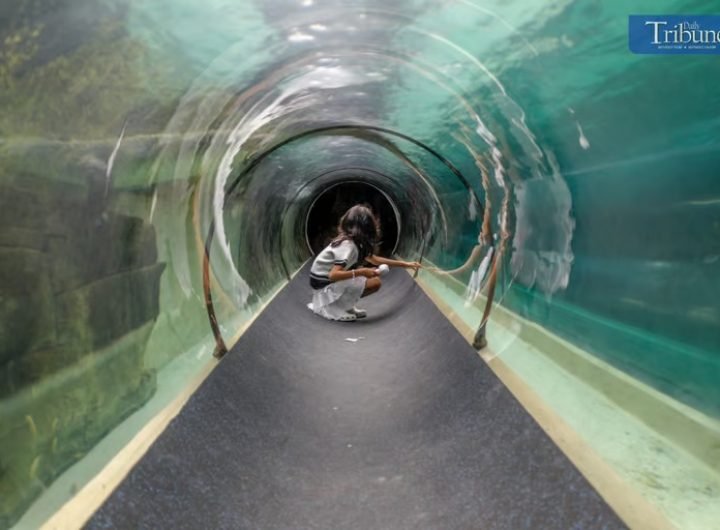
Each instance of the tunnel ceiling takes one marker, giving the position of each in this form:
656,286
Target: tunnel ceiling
384,89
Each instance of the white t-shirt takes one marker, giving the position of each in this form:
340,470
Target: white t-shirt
345,254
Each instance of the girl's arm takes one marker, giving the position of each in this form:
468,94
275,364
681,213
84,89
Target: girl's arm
338,273
377,260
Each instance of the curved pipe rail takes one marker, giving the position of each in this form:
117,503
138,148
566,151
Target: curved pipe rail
220,345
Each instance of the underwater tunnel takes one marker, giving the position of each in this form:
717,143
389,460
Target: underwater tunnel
170,168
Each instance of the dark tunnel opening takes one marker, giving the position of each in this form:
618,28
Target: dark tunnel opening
330,204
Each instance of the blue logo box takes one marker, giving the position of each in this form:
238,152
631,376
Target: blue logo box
674,34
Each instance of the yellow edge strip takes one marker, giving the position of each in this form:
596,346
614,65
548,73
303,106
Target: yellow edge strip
686,427
629,505
78,510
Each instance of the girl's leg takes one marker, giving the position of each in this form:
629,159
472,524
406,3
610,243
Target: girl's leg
372,286
335,300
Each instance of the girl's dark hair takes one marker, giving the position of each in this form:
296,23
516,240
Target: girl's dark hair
360,225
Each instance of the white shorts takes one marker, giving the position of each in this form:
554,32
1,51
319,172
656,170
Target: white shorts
333,301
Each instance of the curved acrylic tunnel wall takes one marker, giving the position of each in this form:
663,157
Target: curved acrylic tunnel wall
524,148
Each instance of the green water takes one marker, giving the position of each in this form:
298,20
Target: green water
132,129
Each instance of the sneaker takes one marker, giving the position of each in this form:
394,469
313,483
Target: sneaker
359,313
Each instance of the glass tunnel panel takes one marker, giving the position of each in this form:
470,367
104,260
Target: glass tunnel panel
160,161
